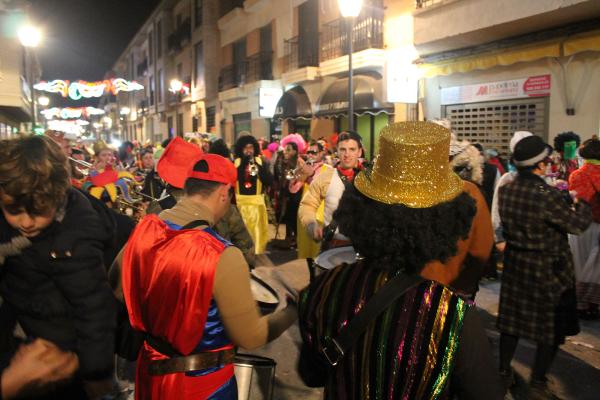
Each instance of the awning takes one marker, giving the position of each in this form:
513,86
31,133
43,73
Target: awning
486,61
15,114
293,104
368,97
581,44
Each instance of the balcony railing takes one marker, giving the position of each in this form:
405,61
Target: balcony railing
232,76
142,107
254,68
299,53
367,34
180,37
142,68
260,66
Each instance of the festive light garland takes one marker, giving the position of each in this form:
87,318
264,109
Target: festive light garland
56,86
71,113
72,127
83,89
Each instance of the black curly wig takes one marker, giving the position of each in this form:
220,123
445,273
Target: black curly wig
242,142
402,238
562,138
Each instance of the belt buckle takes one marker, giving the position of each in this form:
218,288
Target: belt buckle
334,353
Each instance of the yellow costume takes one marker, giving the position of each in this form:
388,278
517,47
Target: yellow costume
307,247
253,210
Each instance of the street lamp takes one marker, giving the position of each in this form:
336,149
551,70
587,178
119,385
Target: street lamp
176,86
30,37
350,9
44,101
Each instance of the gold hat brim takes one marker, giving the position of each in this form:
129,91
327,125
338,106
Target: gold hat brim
409,193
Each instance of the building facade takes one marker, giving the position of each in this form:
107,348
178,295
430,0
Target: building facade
19,67
174,49
297,50
492,67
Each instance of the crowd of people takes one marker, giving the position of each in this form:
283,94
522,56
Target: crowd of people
144,251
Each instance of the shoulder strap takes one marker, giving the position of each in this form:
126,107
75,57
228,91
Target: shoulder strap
335,348
195,224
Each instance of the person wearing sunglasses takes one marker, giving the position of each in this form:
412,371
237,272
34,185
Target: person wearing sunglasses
312,168
327,189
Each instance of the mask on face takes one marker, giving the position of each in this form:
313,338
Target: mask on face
570,150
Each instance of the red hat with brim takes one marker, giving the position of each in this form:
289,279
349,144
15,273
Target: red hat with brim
217,169
177,159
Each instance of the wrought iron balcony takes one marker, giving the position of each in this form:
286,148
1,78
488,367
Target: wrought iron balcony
182,35
232,75
260,66
256,67
142,67
300,53
367,34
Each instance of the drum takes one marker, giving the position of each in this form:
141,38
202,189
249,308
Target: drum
332,258
255,377
265,296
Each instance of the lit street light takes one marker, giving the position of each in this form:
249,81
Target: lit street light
30,37
43,101
350,9
176,86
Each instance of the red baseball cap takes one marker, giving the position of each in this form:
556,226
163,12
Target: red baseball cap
176,161
219,170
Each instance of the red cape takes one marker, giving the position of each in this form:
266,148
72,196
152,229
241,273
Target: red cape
168,279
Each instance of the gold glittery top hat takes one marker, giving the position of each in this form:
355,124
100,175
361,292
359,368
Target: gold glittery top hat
412,167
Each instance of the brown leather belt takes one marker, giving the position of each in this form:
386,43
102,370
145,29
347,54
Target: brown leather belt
192,362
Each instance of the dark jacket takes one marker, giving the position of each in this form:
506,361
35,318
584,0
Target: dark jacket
153,185
264,175
58,288
538,265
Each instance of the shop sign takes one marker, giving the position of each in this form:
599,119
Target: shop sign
267,101
402,83
533,86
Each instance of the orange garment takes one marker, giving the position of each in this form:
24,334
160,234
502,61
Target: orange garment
464,270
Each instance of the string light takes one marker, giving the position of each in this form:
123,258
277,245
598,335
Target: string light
71,113
83,89
55,86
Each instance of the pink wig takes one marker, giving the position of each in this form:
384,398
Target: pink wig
296,138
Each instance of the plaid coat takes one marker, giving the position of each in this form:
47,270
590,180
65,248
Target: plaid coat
538,265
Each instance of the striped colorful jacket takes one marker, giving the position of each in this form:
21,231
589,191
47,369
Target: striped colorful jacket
407,353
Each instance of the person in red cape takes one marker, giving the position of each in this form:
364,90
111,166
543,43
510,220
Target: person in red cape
188,289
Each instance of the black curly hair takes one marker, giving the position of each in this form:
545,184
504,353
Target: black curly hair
590,149
401,238
242,142
562,138
219,147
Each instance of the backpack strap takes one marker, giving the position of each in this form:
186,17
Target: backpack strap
335,348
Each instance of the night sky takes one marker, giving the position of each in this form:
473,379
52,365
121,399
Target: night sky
83,38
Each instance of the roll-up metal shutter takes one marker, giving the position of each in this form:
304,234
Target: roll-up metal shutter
492,124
